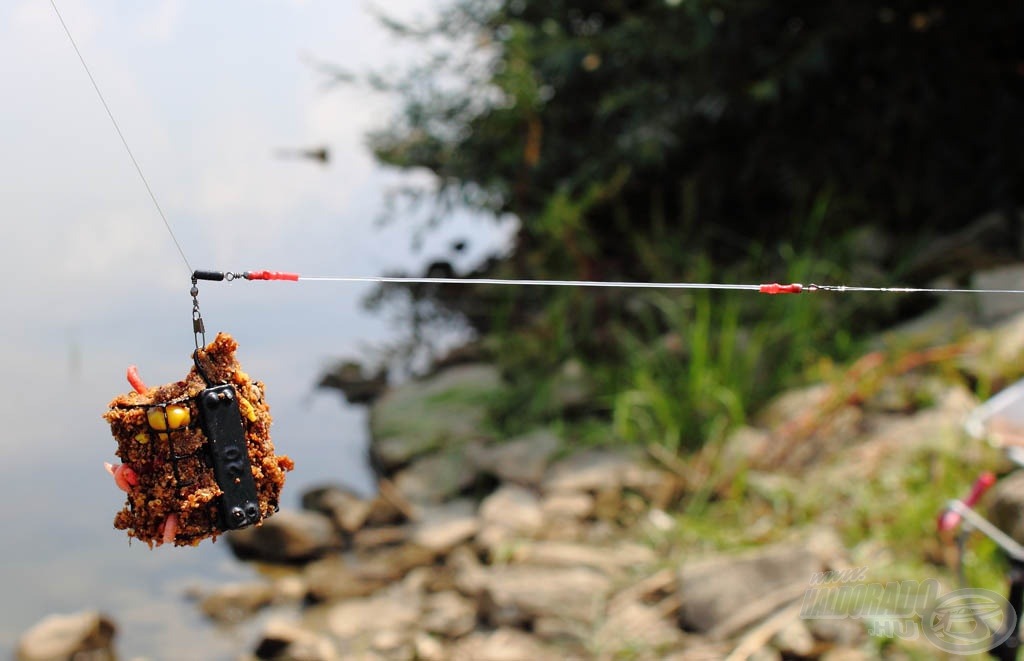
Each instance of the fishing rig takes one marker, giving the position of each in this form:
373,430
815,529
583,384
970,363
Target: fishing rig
220,413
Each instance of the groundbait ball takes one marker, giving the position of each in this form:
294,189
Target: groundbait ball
196,455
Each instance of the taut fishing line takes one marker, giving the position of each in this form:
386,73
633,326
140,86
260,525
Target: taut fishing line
196,454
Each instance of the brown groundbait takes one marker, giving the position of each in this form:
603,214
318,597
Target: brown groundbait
160,437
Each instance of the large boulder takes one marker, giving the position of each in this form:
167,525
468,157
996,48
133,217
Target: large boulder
444,410
384,623
436,477
443,527
633,629
348,511
607,471
724,594
282,640
509,513
233,602
518,594
289,536
521,460
84,635
448,614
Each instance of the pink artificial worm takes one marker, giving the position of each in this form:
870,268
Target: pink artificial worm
169,528
135,380
124,476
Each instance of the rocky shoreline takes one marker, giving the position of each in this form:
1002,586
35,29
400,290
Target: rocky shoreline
485,548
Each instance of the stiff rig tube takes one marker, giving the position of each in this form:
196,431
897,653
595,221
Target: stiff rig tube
230,276
771,288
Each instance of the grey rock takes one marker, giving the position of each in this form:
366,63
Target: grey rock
504,644
997,358
943,324
609,560
634,629
793,404
470,576
448,614
444,410
722,595
84,635
442,528
883,451
565,507
560,630
521,460
371,538
997,307
347,510
384,621
603,471
287,537
282,640
335,578
509,513
743,445
429,648
234,602
517,594
794,639
591,470
766,653
840,632
1006,505
436,477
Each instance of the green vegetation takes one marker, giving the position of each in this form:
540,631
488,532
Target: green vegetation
701,141
732,142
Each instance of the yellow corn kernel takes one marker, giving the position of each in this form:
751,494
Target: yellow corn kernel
155,416
247,410
142,438
176,417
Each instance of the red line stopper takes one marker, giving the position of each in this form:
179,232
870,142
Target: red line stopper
949,519
271,275
776,288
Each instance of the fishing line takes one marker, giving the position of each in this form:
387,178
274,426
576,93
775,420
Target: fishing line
124,142
764,288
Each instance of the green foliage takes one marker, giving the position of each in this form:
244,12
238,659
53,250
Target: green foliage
740,111
690,140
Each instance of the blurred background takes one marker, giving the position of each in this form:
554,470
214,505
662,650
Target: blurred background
876,144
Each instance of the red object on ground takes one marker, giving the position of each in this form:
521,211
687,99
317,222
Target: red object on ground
136,381
950,519
776,288
271,275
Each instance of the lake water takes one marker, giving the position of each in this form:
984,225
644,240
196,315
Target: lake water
60,551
